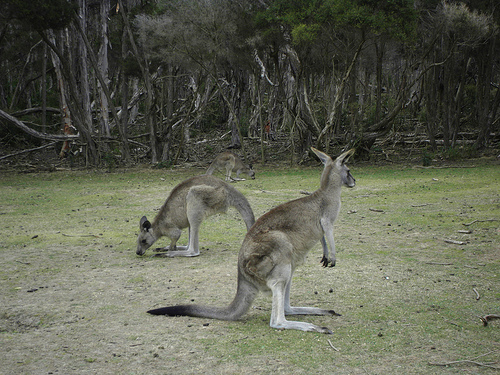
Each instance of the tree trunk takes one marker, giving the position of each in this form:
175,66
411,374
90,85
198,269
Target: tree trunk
143,64
84,71
67,122
103,68
485,73
337,100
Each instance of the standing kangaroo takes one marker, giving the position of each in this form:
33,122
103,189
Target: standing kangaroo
231,163
187,205
276,244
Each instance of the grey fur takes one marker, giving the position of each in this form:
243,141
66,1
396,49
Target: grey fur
188,205
231,163
276,244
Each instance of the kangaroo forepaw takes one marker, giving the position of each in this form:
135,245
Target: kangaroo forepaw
332,312
326,262
326,331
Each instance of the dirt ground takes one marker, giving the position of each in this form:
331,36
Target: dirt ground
79,305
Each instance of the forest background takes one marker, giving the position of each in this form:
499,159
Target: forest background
122,82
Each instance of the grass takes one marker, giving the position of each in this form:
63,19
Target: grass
74,293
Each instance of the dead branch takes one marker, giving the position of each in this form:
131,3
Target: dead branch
333,347
479,221
456,242
477,294
445,166
485,364
439,264
34,133
376,210
81,235
26,151
472,361
485,319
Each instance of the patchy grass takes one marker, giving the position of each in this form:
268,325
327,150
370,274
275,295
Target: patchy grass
74,294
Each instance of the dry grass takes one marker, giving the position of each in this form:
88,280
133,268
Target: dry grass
74,294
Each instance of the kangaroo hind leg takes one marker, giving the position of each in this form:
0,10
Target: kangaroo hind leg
278,281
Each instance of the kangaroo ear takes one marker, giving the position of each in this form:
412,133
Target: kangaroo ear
344,157
321,155
144,223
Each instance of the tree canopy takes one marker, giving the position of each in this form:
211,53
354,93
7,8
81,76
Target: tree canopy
140,80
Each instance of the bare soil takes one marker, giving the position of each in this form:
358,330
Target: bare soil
74,294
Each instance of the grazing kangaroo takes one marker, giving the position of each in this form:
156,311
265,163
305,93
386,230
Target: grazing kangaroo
231,163
276,244
187,205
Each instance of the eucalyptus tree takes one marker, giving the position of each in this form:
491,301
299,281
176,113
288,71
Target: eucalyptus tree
205,41
324,41
458,91
62,26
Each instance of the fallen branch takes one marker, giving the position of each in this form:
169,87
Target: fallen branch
439,264
26,263
25,151
477,294
485,319
34,133
472,361
479,221
376,210
485,364
81,235
456,242
333,347
444,166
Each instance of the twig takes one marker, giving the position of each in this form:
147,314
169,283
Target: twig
445,166
376,210
81,235
466,266
479,221
456,242
439,264
485,319
477,294
487,364
421,205
333,347
29,150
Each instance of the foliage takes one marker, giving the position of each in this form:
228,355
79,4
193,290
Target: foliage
43,14
326,71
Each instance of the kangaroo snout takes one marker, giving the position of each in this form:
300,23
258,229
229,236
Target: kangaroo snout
140,252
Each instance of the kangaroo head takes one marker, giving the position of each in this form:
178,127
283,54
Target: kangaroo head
146,237
337,166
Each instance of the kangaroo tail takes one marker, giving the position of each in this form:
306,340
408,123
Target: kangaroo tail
239,201
245,295
210,169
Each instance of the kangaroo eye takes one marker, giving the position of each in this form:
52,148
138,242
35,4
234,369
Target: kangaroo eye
144,242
